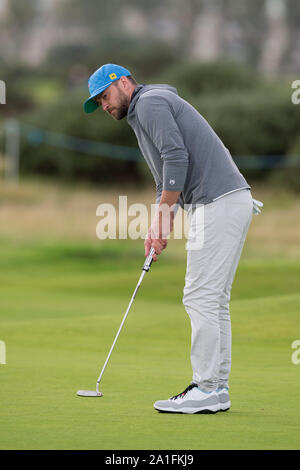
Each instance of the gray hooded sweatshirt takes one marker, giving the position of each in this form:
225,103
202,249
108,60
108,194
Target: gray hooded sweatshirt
181,149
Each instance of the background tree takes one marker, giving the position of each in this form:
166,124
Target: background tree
20,17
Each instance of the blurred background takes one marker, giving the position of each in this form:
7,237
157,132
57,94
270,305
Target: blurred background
234,60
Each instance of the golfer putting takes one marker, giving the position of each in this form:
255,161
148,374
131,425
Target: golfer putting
193,169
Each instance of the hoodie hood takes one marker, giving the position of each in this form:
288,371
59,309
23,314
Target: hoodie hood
141,90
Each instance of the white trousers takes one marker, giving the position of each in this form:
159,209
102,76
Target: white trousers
216,238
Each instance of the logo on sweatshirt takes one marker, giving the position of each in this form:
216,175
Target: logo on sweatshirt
172,181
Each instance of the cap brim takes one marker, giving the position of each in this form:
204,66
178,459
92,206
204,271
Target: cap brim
90,105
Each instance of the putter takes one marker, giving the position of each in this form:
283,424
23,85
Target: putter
96,393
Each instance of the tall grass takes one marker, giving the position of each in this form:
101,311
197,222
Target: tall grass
44,210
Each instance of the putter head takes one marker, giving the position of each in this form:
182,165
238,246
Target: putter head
89,393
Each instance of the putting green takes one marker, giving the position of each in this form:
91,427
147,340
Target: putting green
61,307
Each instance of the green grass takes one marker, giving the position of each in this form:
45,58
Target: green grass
61,306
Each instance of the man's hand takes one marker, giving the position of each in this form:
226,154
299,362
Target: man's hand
158,244
162,224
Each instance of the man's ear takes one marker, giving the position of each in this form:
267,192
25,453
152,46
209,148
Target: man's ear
124,82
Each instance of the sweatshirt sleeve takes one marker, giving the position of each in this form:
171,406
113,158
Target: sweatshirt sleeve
155,116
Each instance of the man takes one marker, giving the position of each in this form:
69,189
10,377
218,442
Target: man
191,167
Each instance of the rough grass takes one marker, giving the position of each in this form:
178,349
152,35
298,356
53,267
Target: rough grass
43,210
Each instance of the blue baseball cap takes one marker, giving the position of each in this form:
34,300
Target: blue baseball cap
100,80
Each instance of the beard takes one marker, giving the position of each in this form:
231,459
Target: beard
121,110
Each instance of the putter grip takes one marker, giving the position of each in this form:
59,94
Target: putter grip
149,260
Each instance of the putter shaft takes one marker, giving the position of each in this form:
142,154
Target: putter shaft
146,268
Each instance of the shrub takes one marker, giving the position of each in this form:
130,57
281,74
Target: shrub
258,123
289,177
200,78
253,117
68,118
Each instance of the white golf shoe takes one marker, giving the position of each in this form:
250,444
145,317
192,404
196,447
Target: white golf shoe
224,399
191,400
